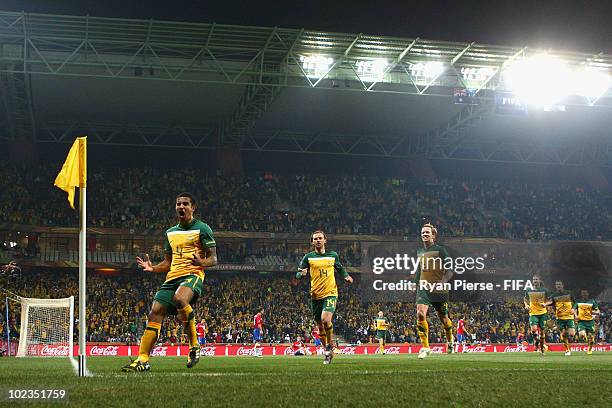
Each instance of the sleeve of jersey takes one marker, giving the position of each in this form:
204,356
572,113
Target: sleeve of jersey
339,267
303,265
206,237
167,247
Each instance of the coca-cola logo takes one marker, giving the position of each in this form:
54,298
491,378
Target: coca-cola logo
160,351
515,349
104,351
288,351
437,349
208,350
348,350
245,351
54,351
389,350
477,349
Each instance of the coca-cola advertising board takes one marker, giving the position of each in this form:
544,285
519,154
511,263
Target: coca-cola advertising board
102,350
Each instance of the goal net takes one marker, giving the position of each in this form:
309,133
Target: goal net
46,327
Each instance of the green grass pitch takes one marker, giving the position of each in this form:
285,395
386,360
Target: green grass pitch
460,380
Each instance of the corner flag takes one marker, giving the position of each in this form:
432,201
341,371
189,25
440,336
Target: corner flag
74,174
74,170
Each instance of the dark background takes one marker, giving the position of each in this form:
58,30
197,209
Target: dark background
561,24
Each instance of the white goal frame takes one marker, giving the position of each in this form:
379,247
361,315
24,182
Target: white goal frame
53,347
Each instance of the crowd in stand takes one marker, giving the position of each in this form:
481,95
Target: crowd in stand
142,198
118,305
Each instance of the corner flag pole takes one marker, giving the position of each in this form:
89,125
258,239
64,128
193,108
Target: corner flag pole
82,282
8,330
72,175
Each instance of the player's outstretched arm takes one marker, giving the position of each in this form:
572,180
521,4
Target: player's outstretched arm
147,265
348,278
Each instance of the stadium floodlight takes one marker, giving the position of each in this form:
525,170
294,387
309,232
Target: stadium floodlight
316,65
372,69
591,83
540,80
428,70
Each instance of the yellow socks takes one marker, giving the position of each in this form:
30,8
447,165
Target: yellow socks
322,334
186,316
382,348
448,329
329,332
148,340
565,341
423,329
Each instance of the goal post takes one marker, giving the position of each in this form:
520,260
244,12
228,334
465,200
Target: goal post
47,327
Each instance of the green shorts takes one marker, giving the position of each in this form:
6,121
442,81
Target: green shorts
586,325
381,334
538,320
565,324
439,301
165,294
318,306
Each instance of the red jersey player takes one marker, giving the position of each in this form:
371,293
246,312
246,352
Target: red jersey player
257,331
461,333
201,331
298,347
316,336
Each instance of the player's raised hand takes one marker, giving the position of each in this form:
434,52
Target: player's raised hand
145,264
303,272
349,279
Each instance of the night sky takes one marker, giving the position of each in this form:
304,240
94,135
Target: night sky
574,25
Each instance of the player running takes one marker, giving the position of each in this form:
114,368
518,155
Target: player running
316,336
461,335
535,302
189,248
382,325
323,289
565,315
585,311
432,257
201,330
257,332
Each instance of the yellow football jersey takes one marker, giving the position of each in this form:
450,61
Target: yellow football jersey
321,268
183,244
535,298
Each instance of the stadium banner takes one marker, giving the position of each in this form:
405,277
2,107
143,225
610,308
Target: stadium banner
506,103
286,349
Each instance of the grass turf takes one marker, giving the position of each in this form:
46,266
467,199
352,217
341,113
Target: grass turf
460,380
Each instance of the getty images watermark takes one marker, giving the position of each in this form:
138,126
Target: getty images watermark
405,265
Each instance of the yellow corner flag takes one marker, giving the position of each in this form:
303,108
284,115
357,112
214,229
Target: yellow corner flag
74,170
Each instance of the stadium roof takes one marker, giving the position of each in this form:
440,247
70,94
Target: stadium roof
163,83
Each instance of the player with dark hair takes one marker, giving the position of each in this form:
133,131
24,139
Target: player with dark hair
257,332
201,330
564,315
462,334
536,301
585,311
381,325
432,257
322,265
189,248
